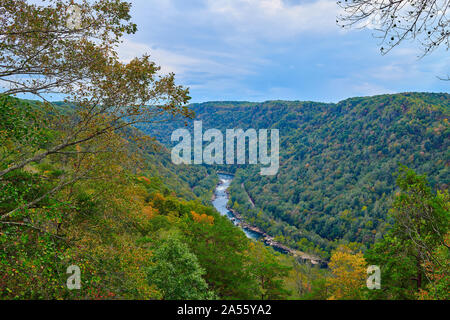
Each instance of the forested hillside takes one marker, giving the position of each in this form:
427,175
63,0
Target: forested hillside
129,220
336,179
92,205
126,220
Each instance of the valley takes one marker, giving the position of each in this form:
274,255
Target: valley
233,150
337,163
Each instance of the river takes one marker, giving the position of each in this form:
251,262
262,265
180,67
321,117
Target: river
220,203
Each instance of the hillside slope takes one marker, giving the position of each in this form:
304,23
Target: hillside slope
337,162
132,225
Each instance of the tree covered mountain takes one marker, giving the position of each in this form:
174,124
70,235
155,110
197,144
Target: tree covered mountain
128,218
336,179
87,199
133,216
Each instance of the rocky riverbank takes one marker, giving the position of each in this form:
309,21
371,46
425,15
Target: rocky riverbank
270,241
220,202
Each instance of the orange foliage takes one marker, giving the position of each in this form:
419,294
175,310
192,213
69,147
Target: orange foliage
202,218
144,179
158,197
148,211
348,274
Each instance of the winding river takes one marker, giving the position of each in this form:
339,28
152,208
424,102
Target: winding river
220,203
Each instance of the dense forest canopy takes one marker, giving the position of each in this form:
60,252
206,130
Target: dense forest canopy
86,185
125,225
336,179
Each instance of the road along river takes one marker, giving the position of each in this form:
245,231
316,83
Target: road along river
220,202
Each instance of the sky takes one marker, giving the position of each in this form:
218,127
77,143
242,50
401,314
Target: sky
258,50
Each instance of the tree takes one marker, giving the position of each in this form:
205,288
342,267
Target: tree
268,272
421,216
221,249
38,44
398,269
397,20
438,274
177,273
41,53
411,254
348,274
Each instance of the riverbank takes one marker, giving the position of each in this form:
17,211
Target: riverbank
220,201
270,241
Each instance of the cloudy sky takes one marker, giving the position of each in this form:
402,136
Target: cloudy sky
257,50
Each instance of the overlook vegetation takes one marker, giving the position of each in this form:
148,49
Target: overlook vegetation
86,182
122,225
80,186
136,221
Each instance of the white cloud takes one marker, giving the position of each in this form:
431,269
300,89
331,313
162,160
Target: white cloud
203,64
369,89
169,61
275,19
264,49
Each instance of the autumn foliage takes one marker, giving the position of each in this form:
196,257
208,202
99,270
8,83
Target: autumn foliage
348,274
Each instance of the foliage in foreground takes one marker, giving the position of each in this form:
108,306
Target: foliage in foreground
336,181
131,236
134,238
